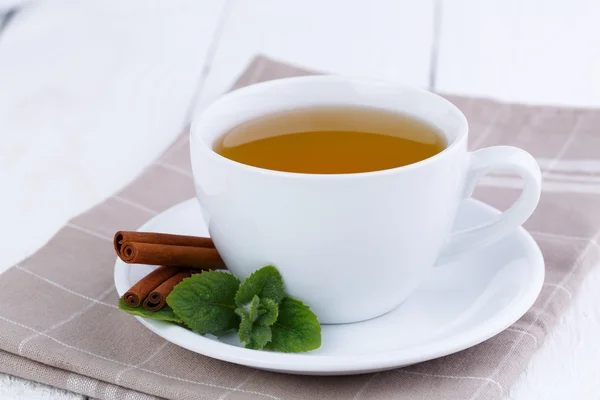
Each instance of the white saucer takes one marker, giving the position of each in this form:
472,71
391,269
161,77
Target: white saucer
459,306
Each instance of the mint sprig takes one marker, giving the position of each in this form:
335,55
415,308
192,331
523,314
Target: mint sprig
254,335
256,302
215,302
267,313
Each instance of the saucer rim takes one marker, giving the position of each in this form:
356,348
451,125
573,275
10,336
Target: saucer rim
315,364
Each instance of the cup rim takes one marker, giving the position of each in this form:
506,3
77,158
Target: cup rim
203,146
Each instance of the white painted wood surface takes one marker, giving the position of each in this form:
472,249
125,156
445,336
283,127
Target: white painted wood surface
382,38
120,62
521,50
90,93
12,388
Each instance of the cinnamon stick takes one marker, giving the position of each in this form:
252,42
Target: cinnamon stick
164,254
166,249
157,298
122,237
147,284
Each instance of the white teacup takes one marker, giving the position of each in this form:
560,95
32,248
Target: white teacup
351,246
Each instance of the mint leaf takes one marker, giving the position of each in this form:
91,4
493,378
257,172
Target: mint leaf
296,329
254,334
251,309
259,338
248,313
264,283
268,311
255,337
205,302
246,324
164,314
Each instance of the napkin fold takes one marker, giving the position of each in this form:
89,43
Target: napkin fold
59,323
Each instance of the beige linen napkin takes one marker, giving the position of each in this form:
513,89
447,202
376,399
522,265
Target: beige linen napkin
59,323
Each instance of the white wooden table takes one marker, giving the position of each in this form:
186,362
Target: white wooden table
78,76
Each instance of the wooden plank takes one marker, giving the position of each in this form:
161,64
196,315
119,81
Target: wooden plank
16,388
90,93
521,50
382,39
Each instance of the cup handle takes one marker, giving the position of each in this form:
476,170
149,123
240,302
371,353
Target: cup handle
483,162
